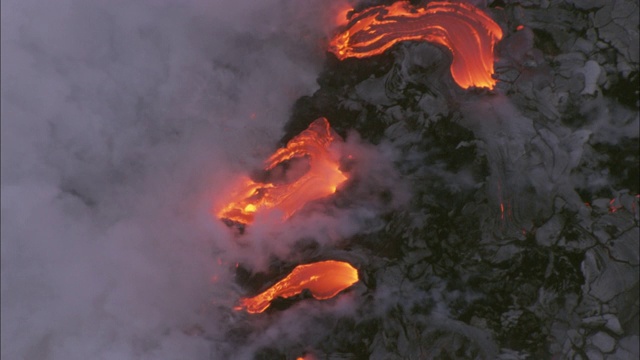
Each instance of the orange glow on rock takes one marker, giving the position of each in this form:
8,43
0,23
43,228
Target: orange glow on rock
465,30
320,180
324,279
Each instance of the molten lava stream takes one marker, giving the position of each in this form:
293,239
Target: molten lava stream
469,34
325,279
320,180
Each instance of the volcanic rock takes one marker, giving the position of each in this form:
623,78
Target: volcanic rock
520,239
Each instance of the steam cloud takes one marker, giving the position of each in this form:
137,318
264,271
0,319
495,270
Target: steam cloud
120,122
123,121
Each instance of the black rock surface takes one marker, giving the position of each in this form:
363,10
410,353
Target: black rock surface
520,240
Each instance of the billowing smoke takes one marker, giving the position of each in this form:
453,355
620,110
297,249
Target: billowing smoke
120,122
484,223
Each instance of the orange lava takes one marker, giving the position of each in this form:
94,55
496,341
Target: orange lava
342,18
325,279
320,180
465,30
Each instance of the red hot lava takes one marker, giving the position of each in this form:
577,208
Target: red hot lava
325,279
320,180
465,30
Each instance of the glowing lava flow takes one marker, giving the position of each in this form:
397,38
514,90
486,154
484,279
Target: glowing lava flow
469,34
321,180
324,279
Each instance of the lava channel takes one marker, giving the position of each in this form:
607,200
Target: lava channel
324,279
321,179
465,30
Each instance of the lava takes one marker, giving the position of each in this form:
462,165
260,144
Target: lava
324,279
342,15
465,30
320,180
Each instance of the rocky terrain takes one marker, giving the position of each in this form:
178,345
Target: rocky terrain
520,240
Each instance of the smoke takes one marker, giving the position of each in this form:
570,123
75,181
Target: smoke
124,122
120,123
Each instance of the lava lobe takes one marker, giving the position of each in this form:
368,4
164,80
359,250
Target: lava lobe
321,178
324,279
465,30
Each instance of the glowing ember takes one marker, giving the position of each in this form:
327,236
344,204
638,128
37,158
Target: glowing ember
468,32
320,180
325,279
613,207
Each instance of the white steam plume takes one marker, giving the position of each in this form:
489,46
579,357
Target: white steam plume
119,119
